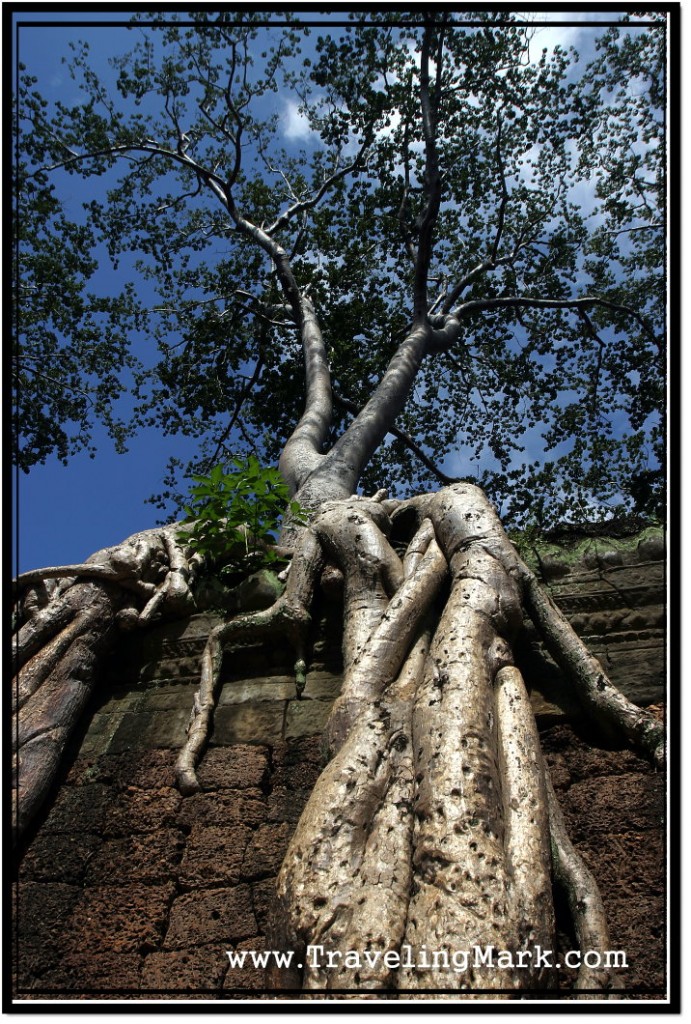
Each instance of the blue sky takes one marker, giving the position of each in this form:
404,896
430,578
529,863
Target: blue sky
68,512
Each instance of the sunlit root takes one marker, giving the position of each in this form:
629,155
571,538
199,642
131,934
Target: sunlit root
430,828
467,510
381,657
53,700
606,705
65,627
526,840
346,877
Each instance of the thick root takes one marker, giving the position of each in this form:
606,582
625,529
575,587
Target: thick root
64,630
429,830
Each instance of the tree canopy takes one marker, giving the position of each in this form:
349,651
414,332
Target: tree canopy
452,172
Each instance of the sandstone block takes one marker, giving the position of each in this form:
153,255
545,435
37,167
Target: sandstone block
239,767
142,810
89,974
191,971
120,919
60,857
266,850
223,809
213,856
211,916
259,691
248,723
80,809
150,858
145,729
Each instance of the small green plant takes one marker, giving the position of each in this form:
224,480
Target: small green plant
235,513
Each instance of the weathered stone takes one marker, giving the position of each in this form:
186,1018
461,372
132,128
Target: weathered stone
195,971
168,698
265,850
322,686
150,858
60,857
142,810
72,942
120,919
240,767
552,567
248,808
211,916
213,856
306,718
80,973
286,804
166,673
298,763
248,723
264,902
652,547
102,728
152,729
636,803
145,769
42,912
247,978
118,702
258,591
80,809
274,688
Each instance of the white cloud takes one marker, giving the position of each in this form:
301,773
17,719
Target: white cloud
295,124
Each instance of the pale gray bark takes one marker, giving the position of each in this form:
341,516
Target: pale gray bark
433,825
434,741
63,637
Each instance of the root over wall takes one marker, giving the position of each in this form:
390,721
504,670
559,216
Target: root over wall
127,889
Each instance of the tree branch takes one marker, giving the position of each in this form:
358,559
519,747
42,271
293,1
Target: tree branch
428,218
526,302
309,204
407,440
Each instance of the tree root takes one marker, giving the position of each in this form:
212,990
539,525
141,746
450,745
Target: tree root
64,630
289,616
434,826
585,903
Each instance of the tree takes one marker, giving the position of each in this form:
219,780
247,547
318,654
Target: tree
468,251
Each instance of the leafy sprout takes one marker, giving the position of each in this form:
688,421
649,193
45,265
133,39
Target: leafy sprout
235,514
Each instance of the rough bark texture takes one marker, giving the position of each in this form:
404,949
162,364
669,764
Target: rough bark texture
66,622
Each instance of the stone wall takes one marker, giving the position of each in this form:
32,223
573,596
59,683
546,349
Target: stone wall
127,890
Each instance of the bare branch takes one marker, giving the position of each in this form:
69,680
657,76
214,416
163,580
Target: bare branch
504,195
151,148
428,218
244,394
309,204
